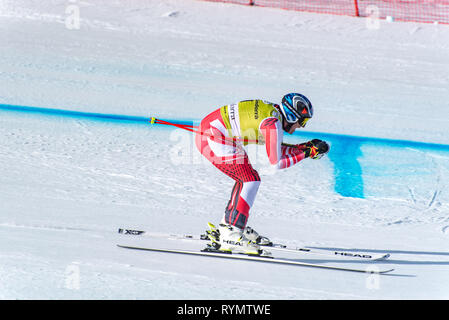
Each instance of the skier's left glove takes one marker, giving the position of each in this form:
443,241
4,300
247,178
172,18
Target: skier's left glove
314,149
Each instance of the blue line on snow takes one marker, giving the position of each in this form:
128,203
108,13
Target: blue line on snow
80,114
345,151
71,114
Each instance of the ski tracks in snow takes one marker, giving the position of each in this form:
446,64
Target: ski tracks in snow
434,202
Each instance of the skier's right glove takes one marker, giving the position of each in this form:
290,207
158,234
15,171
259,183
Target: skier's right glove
314,149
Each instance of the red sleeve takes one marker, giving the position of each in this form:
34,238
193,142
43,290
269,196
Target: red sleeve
290,157
282,156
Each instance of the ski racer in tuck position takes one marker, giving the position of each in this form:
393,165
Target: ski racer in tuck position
221,138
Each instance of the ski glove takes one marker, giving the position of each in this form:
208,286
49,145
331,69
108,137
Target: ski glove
314,149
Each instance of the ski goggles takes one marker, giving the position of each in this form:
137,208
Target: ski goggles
289,115
292,118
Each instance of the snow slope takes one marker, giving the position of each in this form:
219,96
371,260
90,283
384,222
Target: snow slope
69,182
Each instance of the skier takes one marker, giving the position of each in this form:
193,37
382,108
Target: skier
221,138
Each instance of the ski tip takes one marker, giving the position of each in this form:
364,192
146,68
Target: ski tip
376,271
384,257
387,271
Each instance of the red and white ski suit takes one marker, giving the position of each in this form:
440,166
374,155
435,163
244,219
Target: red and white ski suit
221,137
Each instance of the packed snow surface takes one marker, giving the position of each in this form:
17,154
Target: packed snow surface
68,182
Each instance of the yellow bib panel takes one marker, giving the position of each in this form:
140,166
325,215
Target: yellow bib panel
242,120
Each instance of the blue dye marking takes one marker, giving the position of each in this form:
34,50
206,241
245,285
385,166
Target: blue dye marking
344,154
79,114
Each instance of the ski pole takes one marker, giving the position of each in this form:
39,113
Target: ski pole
187,127
195,129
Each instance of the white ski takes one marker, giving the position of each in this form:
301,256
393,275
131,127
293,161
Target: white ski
256,259
275,247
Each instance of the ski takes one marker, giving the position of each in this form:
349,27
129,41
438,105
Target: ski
239,256
334,253
274,247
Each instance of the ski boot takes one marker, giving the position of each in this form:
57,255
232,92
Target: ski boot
252,235
230,239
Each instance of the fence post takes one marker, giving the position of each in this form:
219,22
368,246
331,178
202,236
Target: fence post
356,7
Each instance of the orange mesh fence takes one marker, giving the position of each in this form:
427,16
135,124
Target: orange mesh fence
430,11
